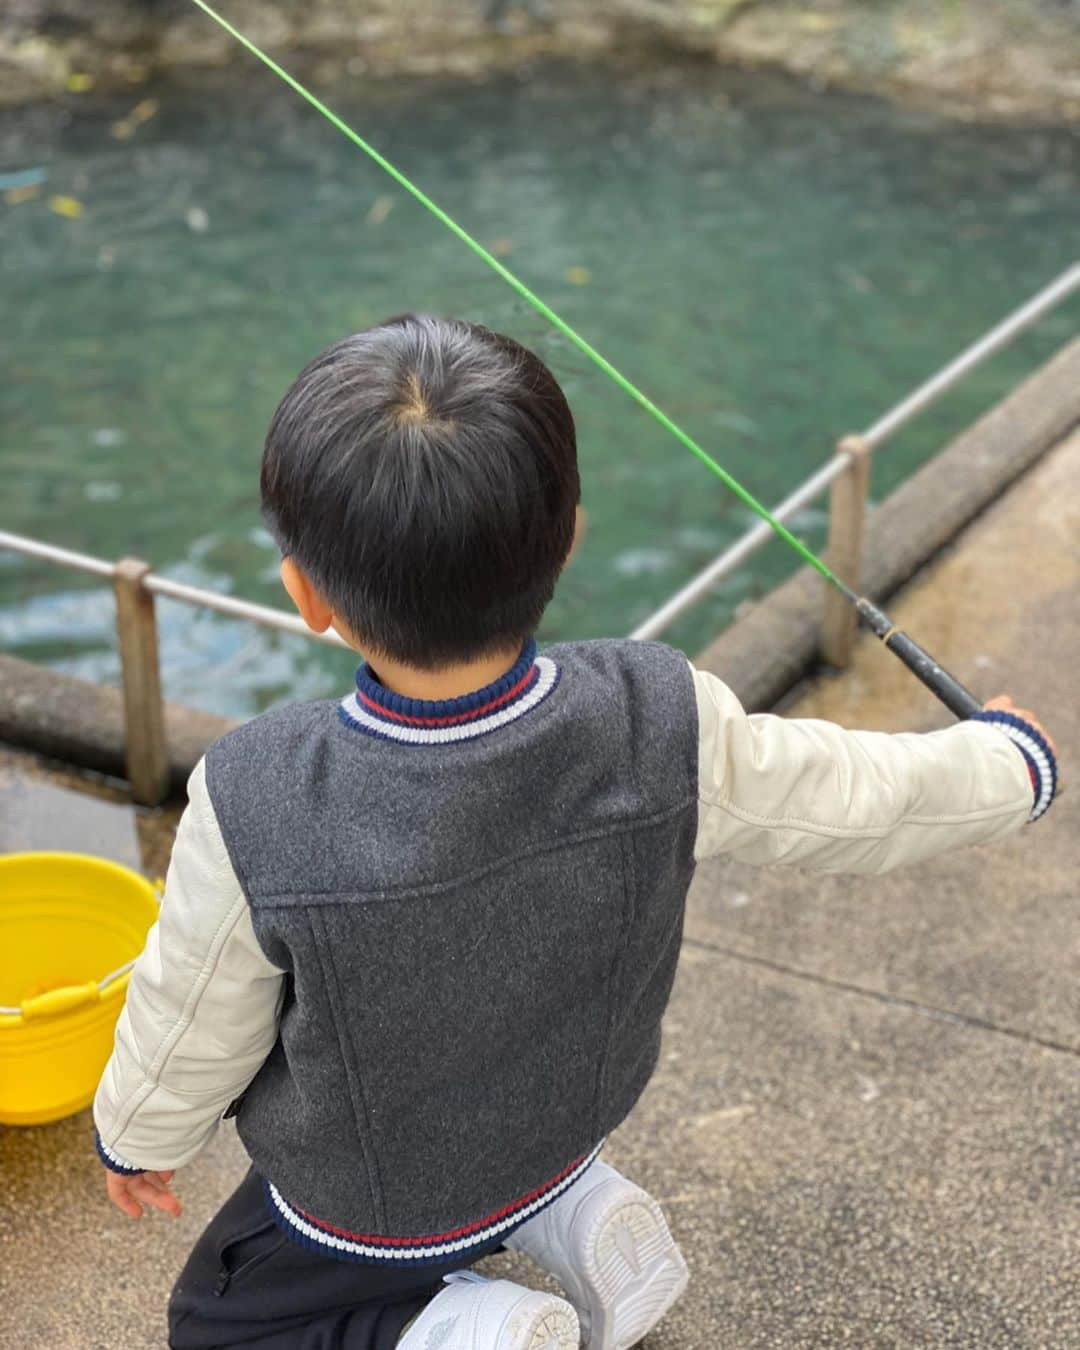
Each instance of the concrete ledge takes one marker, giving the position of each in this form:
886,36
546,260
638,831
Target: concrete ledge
764,654
83,723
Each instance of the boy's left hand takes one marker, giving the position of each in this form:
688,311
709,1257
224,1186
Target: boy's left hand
146,1188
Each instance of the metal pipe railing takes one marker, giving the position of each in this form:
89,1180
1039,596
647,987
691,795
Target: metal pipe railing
1011,327
64,557
239,609
756,537
263,615
136,587
886,426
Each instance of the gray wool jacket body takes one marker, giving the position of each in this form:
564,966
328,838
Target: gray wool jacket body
431,977
480,938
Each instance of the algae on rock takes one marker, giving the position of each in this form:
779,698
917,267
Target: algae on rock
997,58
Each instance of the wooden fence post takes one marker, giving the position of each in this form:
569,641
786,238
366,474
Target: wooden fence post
144,713
847,519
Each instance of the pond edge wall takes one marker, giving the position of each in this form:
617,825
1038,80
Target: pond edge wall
773,646
82,723
762,656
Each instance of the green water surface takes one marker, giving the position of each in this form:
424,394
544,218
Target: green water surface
775,268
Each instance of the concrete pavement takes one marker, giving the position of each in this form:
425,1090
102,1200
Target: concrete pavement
863,1126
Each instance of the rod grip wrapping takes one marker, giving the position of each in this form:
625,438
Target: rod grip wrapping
959,700
944,686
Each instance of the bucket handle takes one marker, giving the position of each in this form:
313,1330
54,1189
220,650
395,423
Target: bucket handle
66,998
70,996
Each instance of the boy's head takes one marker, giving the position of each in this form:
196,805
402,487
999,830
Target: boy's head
422,475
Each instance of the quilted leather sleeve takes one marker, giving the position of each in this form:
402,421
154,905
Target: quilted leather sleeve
201,1013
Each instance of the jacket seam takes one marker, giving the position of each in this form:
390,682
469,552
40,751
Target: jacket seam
324,953
234,861
618,952
203,1094
850,832
266,901
166,1047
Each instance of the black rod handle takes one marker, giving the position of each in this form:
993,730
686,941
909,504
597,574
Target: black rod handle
922,665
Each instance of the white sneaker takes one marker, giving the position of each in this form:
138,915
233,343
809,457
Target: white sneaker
607,1243
473,1313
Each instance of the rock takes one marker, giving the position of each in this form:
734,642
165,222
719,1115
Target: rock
995,58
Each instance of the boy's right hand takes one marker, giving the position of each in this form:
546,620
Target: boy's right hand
130,1193
1003,703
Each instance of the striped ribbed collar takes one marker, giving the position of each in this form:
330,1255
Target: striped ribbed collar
378,711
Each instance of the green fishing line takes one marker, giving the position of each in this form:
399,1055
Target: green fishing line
526,294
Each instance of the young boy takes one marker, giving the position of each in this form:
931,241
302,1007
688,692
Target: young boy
419,942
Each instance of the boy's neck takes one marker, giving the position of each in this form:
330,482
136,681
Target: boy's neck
449,682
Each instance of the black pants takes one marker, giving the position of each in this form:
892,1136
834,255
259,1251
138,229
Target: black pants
246,1283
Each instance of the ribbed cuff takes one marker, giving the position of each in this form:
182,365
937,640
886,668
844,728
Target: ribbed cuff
1041,762
113,1161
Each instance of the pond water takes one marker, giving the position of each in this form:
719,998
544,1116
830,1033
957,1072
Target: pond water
775,268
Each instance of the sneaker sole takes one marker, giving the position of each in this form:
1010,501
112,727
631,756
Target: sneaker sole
635,1272
552,1327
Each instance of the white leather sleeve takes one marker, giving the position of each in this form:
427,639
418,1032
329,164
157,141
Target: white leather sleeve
201,1013
809,793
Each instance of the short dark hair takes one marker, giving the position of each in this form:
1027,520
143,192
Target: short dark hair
423,474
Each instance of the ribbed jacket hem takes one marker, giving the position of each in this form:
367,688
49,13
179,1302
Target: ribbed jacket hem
429,1249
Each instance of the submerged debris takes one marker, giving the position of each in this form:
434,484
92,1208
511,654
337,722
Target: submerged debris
19,179
126,127
380,209
13,196
68,207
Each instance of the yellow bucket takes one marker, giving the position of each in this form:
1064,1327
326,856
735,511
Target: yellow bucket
70,927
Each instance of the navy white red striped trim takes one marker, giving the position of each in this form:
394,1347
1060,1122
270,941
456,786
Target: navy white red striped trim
113,1160
378,711
432,1247
1041,762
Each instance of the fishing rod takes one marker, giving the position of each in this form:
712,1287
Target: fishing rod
938,680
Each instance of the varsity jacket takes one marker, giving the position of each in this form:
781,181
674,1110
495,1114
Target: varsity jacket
422,951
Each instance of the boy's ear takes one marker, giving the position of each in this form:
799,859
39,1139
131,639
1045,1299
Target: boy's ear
314,610
580,525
